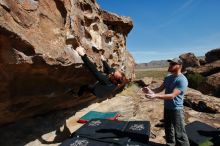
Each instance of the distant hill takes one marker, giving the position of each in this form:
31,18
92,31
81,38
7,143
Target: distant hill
157,64
152,64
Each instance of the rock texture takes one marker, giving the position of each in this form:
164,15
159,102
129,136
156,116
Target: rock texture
132,105
189,60
213,55
38,62
207,69
205,73
211,85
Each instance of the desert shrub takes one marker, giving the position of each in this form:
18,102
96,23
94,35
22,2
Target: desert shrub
195,80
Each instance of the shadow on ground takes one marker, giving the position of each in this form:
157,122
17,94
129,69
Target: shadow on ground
27,130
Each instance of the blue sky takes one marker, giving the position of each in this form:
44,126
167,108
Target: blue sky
167,28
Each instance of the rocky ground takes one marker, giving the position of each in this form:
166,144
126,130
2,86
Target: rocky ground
53,128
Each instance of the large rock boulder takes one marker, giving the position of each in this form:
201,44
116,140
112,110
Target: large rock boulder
207,69
189,60
205,77
38,63
211,85
212,55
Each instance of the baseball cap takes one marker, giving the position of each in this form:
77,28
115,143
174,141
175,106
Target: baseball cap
175,60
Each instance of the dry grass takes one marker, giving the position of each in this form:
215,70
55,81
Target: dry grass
130,91
157,73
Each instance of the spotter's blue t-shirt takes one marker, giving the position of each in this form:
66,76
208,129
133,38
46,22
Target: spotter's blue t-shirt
171,82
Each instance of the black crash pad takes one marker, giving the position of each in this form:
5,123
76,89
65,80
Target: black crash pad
201,134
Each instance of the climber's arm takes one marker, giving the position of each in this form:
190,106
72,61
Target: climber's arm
91,66
107,68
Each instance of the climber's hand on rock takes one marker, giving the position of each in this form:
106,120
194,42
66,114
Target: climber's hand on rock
103,58
81,51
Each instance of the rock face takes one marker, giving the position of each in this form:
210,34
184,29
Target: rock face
207,69
189,60
38,62
211,85
207,75
213,55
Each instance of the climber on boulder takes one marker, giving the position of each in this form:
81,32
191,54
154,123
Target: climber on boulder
109,84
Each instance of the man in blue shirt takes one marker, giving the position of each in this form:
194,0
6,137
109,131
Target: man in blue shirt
175,85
